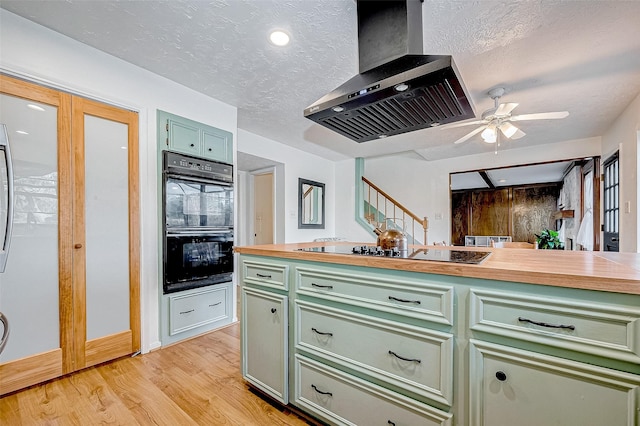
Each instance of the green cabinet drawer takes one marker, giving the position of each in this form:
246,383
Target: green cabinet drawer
402,296
342,399
611,331
271,275
416,359
193,310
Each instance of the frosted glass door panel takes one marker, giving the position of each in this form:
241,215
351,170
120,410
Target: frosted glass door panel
29,286
107,227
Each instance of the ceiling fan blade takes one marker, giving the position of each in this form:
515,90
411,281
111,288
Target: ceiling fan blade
505,109
540,116
518,134
468,123
470,134
508,129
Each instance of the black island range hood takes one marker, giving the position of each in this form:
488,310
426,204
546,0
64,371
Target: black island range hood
398,89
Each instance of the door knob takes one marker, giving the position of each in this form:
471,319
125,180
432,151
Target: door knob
78,246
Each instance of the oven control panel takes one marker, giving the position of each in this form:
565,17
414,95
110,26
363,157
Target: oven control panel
192,166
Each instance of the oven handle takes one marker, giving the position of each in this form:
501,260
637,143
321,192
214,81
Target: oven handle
201,232
211,181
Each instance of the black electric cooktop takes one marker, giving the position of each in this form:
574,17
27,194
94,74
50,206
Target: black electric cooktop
439,255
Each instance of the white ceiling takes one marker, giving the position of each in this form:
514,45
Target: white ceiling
550,55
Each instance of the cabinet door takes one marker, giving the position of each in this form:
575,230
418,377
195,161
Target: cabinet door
184,137
216,145
265,342
515,387
194,138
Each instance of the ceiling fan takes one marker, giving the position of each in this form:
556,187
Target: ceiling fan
499,118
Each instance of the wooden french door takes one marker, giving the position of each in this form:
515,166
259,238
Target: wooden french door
75,235
105,232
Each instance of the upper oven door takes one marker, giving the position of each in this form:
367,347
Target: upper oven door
192,203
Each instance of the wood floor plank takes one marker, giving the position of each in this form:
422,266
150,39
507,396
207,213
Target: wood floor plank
195,382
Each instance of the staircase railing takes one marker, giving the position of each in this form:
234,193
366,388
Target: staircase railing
380,206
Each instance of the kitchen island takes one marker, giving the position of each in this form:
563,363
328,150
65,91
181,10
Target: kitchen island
515,339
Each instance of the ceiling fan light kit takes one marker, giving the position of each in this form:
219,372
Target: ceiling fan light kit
499,118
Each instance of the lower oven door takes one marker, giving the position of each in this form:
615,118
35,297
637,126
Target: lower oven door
196,259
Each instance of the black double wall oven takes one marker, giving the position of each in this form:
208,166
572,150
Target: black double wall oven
197,198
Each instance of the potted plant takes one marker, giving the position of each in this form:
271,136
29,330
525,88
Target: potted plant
548,239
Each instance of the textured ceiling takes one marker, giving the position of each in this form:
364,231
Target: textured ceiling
578,56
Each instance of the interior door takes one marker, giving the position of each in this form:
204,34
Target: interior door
37,274
263,208
105,232
71,287
611,241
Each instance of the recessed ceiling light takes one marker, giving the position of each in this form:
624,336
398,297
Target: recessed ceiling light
279,38
36,107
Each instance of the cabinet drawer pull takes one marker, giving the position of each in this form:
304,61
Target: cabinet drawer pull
544,324
263,276
186,312
321,286
320,392
417,302
321,332
215,304
389,422
403,358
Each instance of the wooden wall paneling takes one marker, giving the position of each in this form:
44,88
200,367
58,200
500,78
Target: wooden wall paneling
460,217
490,212
532,210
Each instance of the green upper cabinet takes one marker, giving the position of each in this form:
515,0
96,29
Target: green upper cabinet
193,138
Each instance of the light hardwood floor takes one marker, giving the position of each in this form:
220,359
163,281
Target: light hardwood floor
195,382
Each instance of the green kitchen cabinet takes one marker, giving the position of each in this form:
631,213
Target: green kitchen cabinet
197,139
429,349
265,327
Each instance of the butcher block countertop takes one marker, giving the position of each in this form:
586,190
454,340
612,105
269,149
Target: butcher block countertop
603,271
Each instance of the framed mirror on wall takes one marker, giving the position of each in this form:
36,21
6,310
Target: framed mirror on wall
310,204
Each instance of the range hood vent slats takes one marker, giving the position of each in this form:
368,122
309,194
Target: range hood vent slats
399,114
393,123
368,117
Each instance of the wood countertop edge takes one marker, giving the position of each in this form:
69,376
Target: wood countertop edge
499,271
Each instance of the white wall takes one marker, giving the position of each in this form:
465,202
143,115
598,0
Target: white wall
623,135
423,186
36,53
297,164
